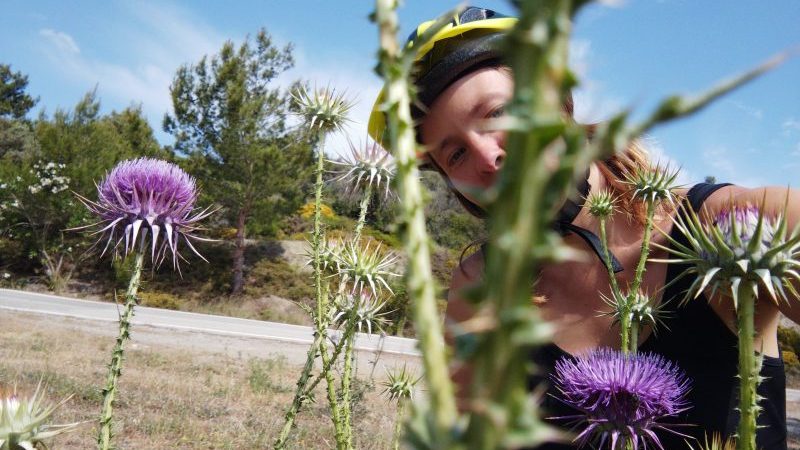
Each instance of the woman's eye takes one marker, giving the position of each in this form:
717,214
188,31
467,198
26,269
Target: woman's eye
456,156
498,112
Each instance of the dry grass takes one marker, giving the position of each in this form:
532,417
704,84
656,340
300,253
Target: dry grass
170,397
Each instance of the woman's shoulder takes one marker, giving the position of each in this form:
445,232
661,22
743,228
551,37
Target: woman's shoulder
772,198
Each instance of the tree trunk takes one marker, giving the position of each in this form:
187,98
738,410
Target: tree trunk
238,254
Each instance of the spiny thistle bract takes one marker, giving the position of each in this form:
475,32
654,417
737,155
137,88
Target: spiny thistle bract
369,164
363,308
147,194
716,443
601,204
621,397
364,268
329,256
324,110
638,307
653,184
740,247
22,421
400,384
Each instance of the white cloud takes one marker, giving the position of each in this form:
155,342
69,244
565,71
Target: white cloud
796,151
755,113
613,3
593,102
720,163
790,126
159,39
659,156
61,40
163,37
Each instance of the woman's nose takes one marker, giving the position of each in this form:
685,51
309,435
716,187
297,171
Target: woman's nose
490,155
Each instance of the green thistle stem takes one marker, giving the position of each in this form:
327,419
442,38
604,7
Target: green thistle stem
348,337
633,325
612,277
337,350
317,239
345,415
321,291
634,336
304,388
115,368
504,416
625,331
300,395
396,67
362,214
624,325
338,427
648,231
398,423
749,368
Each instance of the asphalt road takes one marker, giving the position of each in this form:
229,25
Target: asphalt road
32,302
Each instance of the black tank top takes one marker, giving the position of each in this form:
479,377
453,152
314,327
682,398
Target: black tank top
697,340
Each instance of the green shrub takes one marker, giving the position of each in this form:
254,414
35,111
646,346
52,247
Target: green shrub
789,339
790,360
161,300
278,278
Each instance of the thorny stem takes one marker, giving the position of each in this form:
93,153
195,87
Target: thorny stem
648,231
115,368
398,423
349,335
332,400
317,239
304,388
337,350
639,274
612,277
503,414
634,336
322,293
303,391
362,214
344,404
624,320
749,369
395,67
300,395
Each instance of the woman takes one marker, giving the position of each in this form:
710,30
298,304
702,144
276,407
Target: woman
462,83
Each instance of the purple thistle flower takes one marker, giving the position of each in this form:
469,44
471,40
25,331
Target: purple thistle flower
738,227
621,396
144,195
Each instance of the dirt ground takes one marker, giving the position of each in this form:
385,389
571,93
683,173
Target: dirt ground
177,390
189,390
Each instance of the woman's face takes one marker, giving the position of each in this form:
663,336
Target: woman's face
454,130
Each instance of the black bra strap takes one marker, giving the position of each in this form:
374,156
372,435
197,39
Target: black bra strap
594,243
700,192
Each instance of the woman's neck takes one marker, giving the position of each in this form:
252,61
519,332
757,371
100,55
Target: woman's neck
622,230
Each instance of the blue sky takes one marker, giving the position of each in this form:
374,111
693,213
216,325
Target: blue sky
628,53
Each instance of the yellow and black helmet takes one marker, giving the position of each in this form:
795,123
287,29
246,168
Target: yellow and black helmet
468,42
